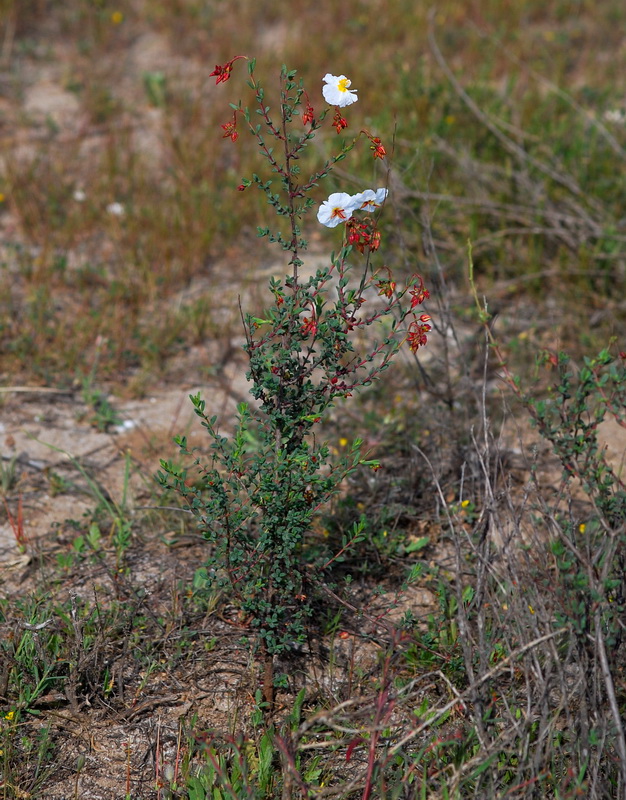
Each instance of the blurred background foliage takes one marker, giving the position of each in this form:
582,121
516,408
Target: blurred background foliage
504,122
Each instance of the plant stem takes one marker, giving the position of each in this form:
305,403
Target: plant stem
268,678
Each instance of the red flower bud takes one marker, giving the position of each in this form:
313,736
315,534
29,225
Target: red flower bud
309,115
230,129
222,73
377,147
339,122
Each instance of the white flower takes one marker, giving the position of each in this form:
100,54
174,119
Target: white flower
369,200
336,91
126,425
79,196
338,208
116,209
616,115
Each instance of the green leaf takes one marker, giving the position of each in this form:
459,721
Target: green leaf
418,544
484,766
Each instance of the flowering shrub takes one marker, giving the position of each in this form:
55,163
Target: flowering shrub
262,487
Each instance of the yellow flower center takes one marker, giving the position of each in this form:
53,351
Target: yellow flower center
343,84
338,212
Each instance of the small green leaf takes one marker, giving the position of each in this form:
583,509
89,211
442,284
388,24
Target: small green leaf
418,544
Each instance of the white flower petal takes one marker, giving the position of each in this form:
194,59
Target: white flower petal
338,208
369,200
